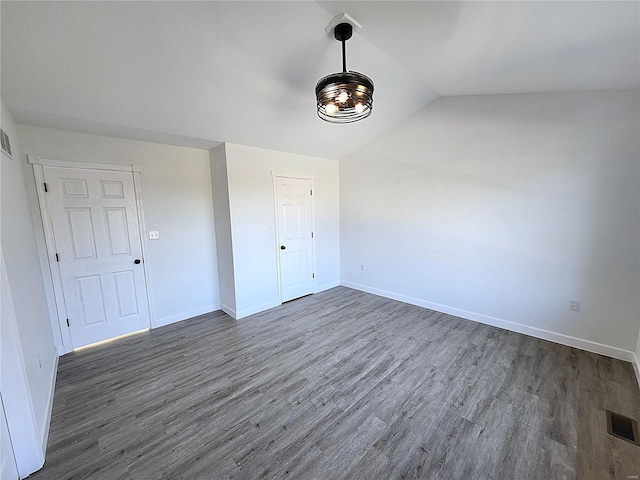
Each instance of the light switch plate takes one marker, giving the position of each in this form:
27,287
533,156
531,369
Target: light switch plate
154,235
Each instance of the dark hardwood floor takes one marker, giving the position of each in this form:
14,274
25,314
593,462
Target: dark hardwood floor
339,385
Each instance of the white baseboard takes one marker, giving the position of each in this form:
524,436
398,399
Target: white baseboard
161,322
257,309
228,310
636,367
266,306
326,286
588,345
44,429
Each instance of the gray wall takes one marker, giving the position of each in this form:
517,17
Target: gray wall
18,239
224,241
28,354
251,210
177,198
502,209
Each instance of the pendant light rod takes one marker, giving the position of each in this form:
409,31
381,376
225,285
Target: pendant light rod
344,56
342,33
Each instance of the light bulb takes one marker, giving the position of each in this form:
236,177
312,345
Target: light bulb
342,97
330,108
359,107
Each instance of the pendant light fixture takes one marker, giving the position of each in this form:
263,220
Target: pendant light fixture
344,97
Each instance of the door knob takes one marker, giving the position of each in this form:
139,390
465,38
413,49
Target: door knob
282,247
136,261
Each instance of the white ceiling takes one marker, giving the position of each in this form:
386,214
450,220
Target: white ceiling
200,73
479,48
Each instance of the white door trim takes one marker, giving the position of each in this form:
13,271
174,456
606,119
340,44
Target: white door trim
137,189
275,175
37,160
302,176
59,316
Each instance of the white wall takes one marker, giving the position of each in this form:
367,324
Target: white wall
177,201
29,356
502,209
224,242
251,200
25,277
28,437
8,467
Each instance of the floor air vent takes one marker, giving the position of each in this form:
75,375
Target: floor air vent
623,427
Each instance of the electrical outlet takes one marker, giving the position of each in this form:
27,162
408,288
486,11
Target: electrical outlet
574,305
362,267
154,235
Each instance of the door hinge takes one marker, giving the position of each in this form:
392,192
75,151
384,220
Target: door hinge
311,234
310,192
68,322
45,187
57,258
313,275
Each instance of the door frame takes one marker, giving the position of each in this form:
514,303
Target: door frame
275,175
55,298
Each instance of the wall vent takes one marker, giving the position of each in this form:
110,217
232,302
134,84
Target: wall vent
6,145
623,427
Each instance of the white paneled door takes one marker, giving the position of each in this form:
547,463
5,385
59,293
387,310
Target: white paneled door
295,236
97,241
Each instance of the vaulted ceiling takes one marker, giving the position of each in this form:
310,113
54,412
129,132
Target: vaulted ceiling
200,73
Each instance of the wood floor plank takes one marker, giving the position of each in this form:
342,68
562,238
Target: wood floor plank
339,385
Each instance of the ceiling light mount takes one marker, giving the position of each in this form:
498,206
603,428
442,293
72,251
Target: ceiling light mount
344,97
342,18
